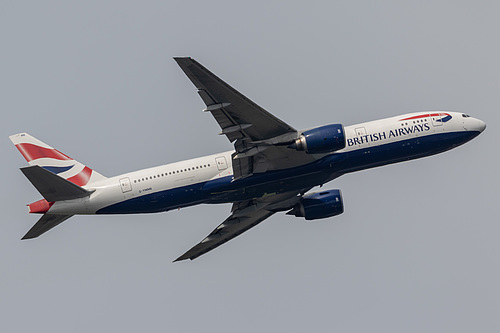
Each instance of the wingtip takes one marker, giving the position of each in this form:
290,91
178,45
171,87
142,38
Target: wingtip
181,258
182,58
28,236
185,61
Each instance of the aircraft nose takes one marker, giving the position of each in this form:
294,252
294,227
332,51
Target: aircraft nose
480,125
474,125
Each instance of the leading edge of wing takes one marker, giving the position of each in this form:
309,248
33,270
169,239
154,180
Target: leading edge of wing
237,115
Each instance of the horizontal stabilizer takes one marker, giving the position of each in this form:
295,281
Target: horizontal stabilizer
51,186
44,224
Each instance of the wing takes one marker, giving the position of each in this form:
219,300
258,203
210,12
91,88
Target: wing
260,139
237,116
245,215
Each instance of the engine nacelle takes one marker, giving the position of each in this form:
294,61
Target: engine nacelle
320,140
319,205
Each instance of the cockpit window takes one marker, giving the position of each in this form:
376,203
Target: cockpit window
465,115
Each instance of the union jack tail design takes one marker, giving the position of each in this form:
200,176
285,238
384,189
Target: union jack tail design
38,153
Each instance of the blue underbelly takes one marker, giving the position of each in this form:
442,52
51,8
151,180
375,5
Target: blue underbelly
225,190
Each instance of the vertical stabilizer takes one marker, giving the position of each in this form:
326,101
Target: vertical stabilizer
38,153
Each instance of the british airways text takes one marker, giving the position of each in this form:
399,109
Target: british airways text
390,134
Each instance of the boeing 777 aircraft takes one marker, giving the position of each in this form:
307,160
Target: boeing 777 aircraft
272,168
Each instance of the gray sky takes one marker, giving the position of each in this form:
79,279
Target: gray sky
415,251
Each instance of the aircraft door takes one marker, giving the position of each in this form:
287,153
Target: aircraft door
437,122
125,185
361,135
221,163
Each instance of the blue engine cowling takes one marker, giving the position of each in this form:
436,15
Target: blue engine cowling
320,140
319,205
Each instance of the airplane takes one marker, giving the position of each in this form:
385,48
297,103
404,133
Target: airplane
272,168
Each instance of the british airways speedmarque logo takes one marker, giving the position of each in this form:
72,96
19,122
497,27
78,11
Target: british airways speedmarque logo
437,117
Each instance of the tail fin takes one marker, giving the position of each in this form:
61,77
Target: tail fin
38,153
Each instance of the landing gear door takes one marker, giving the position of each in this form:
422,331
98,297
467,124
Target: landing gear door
221,163
125,185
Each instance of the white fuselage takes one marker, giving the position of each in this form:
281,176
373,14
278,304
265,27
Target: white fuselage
186,177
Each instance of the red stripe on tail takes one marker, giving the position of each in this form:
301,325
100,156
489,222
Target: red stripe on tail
33,152
82,178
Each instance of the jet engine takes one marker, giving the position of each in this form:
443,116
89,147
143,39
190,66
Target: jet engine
320,140
319,205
